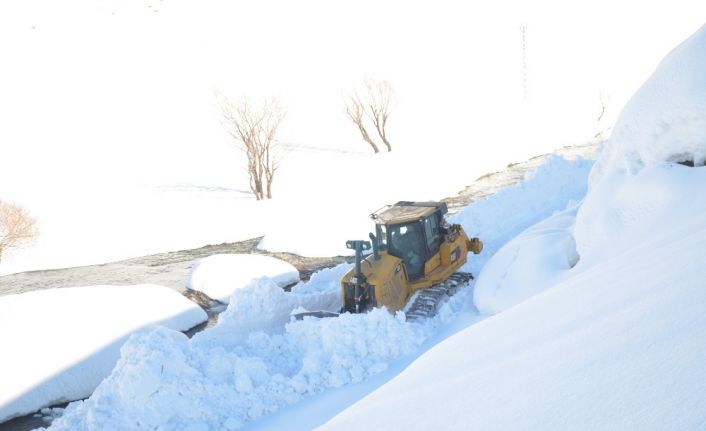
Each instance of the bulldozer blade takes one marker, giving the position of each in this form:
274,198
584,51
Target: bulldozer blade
317,314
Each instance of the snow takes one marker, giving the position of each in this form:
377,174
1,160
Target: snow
610,342
588,306
219,275
532,261
58,344
665,119
554,185
256,361
145,167
613,347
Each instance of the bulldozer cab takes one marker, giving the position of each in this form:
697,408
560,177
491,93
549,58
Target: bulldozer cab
412,231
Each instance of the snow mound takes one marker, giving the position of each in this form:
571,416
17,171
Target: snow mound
624,211
528,264
615,341
666,119
616,346
634,187
59,344
253,362
218,276
497,219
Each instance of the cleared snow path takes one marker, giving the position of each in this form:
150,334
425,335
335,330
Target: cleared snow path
256,361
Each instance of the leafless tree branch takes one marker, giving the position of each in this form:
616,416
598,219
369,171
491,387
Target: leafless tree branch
17,227
379,97
355,111
254,129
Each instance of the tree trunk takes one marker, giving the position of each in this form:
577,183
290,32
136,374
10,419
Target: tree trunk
367,138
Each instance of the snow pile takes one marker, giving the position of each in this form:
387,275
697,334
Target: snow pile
615,347
666,119
612,343
634,190
520,260
254,362
532,261
553,186
323,290
218,276
58,344
624,211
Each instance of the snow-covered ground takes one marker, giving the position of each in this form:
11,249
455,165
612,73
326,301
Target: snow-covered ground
267,363
613,342
113,141
58,344
218,276
587,312
589,318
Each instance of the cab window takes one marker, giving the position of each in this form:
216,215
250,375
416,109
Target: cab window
432,233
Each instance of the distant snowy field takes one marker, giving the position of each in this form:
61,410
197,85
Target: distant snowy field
113,141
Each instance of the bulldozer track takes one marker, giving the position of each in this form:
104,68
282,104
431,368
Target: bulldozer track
425,302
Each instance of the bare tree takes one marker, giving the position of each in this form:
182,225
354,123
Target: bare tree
355,111
17,227
254,129
375,107
379,97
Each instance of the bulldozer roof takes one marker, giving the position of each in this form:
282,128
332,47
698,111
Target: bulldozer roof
405,211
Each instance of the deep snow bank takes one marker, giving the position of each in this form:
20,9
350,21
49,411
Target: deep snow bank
537,258
634,187
665,120
58,344
625,210
613,343
513,271
617,346
498,218
218,276
254,362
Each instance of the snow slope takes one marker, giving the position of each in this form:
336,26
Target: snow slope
553,186
612,343
256,362
614,347
650,133
219,275
58,344
608,344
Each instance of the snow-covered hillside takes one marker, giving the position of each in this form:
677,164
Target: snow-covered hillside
589,318
614,342
588,309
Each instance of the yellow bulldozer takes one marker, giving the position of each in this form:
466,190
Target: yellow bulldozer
414,262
